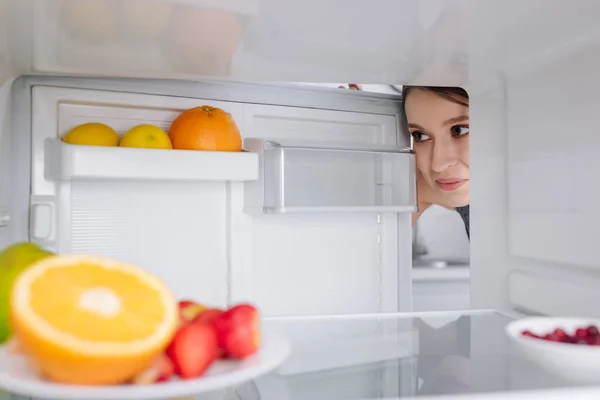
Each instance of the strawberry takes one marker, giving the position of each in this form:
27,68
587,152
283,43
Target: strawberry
208,316
238,331
193,349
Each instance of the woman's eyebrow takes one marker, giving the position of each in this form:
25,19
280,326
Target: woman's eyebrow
456,119
416,126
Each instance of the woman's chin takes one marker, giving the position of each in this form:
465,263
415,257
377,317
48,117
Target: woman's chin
458,198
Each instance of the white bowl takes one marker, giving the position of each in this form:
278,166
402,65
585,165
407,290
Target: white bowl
575,362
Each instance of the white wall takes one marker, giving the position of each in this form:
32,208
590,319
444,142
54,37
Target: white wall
443,233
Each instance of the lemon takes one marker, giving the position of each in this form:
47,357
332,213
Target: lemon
14,260
92,134
146,136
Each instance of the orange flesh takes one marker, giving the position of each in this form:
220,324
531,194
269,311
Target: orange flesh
52,298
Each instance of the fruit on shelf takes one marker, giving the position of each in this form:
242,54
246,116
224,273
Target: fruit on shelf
205,128
92,134
238,331
208,316
193,349
107,323
146,136
586,335
188,310
14,260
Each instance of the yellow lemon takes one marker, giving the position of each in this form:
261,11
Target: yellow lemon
146,136
91,321
92,134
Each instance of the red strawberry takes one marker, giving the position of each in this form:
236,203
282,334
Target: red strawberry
193,350
208,316
238,331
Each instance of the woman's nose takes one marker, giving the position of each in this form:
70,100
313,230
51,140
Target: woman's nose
445,155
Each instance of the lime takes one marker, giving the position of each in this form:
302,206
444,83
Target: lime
13,260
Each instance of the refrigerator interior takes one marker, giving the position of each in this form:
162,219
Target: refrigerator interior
527,65
530,67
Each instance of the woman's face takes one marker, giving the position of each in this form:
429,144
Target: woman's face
440,129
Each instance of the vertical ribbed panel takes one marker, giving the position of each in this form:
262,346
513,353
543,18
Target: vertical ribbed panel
175,230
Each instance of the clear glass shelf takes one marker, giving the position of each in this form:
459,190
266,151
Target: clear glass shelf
304,179
396,356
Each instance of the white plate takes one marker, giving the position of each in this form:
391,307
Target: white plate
18,378
574,362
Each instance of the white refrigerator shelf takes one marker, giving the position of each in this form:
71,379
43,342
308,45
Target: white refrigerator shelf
74,162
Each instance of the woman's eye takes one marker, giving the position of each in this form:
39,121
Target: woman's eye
419,136
460,130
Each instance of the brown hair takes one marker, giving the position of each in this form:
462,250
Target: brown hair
454,94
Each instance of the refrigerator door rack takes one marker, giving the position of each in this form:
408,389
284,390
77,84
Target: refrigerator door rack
73,162
310,179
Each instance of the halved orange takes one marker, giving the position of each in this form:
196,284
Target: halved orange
91,321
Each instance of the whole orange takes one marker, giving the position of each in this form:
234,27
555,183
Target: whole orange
205,128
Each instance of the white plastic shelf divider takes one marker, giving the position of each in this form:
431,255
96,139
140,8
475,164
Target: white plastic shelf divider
73,162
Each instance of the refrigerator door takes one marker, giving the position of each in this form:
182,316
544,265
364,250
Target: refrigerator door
183,214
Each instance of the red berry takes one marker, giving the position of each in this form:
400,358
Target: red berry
589,335
193,350
238,331
593,340
590,340
529,334
568,339
581,333
208,316
559,333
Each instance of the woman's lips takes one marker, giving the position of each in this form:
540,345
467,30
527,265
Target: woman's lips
449,184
